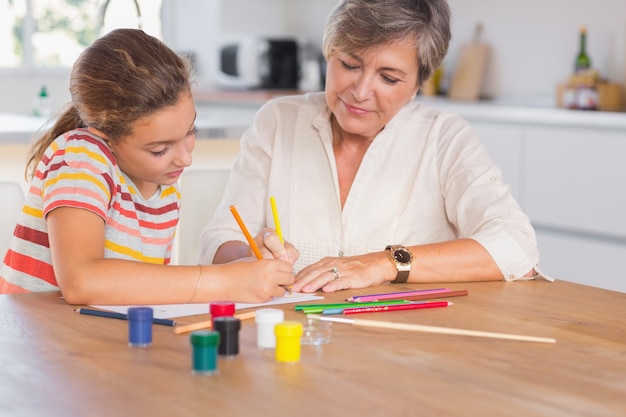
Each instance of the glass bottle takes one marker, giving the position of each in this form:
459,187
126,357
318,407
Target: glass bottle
583,62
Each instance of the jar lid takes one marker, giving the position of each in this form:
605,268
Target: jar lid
226,323
222,308
269,315
288,328
140,313
205,338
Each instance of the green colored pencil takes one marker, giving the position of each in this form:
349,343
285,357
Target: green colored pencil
318,308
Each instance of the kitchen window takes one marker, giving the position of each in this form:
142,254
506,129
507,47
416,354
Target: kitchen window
40,35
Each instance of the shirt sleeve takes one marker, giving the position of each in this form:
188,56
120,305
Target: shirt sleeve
79,176
480,204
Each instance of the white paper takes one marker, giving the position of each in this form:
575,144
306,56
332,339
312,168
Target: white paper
168,311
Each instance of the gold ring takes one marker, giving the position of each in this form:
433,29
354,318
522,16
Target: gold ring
335,272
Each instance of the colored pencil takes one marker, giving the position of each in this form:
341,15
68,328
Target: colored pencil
318,308
276,220
400,294
431,329
120,316
446,294
247,234
382,308
208,324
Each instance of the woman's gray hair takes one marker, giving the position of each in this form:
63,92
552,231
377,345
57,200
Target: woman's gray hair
355,25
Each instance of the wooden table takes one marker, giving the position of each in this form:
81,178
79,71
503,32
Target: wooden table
55,362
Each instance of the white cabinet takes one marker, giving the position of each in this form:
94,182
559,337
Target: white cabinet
575,179
572,184
575,193
586,260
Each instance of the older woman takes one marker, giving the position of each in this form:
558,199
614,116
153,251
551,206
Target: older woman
371,185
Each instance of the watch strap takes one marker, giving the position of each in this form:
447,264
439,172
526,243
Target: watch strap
402,277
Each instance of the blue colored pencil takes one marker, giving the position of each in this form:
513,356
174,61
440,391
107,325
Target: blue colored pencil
120,316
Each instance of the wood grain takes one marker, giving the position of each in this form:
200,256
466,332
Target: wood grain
55,362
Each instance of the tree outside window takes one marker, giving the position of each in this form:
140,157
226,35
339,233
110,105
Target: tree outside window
52,33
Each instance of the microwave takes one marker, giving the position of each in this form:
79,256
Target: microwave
259,62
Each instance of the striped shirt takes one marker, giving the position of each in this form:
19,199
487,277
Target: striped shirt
78,170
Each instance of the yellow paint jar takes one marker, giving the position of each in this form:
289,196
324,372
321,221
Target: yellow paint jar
288,341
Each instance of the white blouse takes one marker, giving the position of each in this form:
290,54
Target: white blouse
425,178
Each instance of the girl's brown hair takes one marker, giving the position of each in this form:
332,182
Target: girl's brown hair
121,77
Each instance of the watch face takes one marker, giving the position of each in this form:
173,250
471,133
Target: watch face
403,256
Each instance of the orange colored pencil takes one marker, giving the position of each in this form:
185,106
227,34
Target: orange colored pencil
247,234
208,324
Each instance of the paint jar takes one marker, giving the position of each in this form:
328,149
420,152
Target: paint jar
266,319
288,336
140,326
204,351
316,332
220,309
228,327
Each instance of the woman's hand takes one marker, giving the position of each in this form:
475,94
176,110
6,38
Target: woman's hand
271,247
334,274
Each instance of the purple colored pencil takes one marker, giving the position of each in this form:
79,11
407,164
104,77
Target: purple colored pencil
401,294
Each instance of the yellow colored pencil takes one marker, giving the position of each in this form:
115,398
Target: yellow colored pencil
247,234
276,220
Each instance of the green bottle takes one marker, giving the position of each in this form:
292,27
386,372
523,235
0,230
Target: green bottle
582,59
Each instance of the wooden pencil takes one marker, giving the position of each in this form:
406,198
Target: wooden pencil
246,233
432,329
207,324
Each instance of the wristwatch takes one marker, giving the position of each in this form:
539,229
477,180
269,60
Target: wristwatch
401,257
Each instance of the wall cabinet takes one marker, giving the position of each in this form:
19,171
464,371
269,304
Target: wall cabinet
572,184
575,179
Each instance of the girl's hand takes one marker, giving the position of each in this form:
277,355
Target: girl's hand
255,281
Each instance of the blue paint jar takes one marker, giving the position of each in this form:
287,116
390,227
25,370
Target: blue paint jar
140,326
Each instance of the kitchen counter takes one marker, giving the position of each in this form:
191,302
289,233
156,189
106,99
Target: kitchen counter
528,113
17,128
229,113
213,121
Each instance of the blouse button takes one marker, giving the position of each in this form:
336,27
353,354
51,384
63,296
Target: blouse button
340,253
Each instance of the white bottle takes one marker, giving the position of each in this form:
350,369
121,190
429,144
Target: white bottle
42,106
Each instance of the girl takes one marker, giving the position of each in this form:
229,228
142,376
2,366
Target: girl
103,204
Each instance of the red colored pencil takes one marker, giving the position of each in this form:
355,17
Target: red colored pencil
396,307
